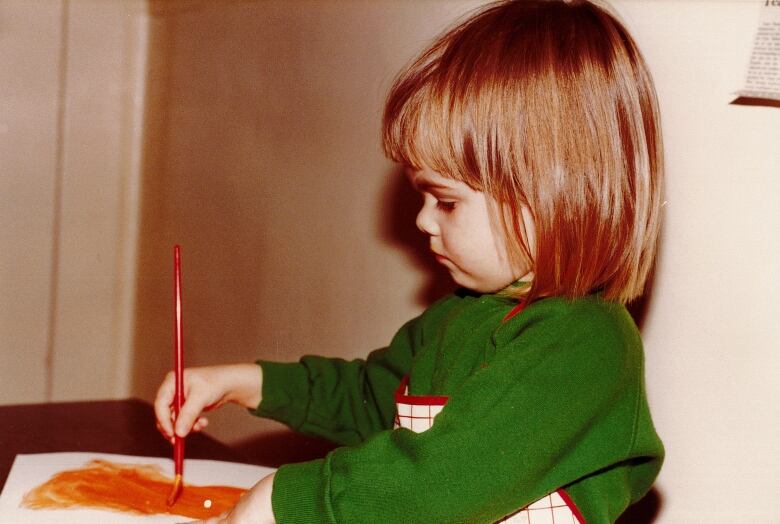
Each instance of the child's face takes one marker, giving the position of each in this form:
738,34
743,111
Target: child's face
456,219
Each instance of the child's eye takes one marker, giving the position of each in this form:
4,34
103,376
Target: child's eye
445,205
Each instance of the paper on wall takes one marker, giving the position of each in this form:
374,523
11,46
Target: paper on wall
763,76
30,471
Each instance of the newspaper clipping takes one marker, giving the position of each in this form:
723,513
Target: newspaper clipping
763,76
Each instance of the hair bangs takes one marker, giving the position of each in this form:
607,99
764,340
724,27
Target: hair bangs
415,133
438,112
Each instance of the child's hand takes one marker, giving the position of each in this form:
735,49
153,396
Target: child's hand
254,507
206,388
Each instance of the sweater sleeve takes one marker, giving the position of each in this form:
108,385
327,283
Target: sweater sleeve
557,403
339,400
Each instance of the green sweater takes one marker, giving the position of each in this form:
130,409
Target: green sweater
552,398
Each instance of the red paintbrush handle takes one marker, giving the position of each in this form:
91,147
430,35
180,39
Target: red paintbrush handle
178,456
178,358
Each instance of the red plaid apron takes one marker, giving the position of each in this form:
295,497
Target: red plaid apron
417,413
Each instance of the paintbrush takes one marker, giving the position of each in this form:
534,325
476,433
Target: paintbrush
178,367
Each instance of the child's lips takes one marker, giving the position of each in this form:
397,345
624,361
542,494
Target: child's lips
441,259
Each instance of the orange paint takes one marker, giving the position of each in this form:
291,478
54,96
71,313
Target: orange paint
128,488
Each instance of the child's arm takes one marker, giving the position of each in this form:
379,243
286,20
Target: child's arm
342,401
302,390
207,388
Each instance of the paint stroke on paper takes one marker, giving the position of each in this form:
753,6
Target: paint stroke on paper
94,487
138,489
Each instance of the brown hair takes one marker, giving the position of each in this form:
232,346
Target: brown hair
546,104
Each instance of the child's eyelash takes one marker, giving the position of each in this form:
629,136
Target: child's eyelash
445,205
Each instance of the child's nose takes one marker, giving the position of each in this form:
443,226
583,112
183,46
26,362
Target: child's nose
425,221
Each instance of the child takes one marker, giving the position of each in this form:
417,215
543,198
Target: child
531,131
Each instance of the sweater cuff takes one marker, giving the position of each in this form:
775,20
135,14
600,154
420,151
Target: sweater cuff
285,393
298,494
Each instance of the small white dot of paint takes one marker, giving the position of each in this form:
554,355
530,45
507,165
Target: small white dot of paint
207,503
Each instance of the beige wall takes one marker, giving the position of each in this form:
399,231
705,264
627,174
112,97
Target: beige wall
260,155
713,366
71,85
29,105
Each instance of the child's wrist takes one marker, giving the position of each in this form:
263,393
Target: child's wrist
247,382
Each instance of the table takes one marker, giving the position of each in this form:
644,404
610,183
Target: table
105,426
127,427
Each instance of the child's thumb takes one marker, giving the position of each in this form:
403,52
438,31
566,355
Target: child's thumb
187,416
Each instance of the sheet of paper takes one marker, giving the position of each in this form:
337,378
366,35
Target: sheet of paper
763,76
30,471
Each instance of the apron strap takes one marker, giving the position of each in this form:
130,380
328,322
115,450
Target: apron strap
515,310
402,396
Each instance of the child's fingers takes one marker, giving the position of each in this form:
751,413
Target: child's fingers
166,427
190,412
200,424
167,436
162,432
162,403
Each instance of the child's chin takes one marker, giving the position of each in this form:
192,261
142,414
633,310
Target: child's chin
469,283
482,287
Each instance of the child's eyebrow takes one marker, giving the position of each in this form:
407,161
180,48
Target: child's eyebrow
423,184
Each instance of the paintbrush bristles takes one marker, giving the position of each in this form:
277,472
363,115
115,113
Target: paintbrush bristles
175,491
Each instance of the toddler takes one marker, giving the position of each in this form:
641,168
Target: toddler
531,131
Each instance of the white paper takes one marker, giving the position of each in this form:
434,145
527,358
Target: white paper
763,76
30,471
